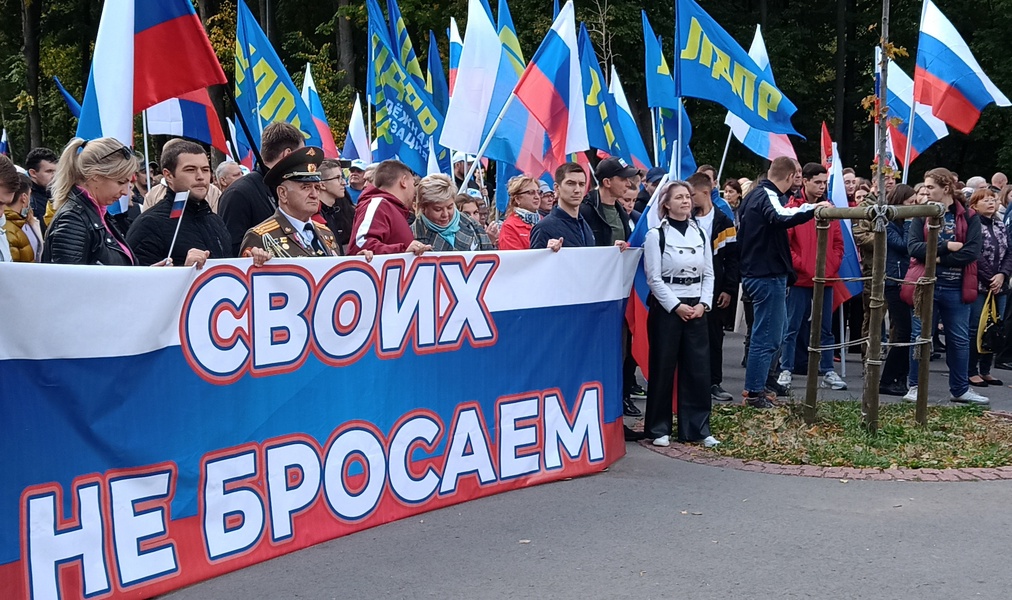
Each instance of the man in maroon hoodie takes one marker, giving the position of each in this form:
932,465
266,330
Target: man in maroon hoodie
804,246
384,214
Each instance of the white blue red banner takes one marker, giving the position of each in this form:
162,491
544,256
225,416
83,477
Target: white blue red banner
237,414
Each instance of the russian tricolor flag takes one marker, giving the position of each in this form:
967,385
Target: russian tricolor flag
634,141
5,146
519,140
948,77
312,99
928,128
552,87
456,47
851,264
476,72
763,143
178,204
242,153
191,116
356,143
129,71
636,310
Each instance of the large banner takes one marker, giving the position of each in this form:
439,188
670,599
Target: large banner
162,426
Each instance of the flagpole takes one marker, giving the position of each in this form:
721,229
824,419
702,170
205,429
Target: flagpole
678,148
178,221
913,109
147,162
245,128
368,99
488,140
653,122
723,158
678,89
843,338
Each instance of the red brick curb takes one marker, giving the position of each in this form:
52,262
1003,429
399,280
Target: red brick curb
698,454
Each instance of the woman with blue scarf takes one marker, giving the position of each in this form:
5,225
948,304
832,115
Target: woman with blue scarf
440,224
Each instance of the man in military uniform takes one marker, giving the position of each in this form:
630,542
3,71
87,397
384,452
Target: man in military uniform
290,232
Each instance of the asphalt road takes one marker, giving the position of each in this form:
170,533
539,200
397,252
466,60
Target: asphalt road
654,527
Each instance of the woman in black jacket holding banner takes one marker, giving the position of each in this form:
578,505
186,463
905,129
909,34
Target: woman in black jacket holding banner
91,177
679,268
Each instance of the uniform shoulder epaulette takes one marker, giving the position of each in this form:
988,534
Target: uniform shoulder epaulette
266,227
323,228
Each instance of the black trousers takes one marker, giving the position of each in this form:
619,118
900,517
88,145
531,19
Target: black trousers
682,345
897,362
715,325
628,362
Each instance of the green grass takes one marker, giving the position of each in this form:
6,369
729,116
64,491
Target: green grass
956,436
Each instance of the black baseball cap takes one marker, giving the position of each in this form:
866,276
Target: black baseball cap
614,167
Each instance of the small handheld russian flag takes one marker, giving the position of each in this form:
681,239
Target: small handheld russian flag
178,205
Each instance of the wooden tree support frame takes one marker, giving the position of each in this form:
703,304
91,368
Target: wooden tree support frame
879,215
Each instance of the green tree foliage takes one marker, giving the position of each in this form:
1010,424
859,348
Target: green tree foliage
801,37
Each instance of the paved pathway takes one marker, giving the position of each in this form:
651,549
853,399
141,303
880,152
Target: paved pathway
658,527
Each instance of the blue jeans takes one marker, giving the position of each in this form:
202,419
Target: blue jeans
955,317
799,310
769,303
980,364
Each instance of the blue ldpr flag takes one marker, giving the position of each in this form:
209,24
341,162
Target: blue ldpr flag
264,90
435,84
660,84
667,140
712,66
435,80
603,129
72,103
406,117
401,43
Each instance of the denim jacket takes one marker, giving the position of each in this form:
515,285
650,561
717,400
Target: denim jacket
897,259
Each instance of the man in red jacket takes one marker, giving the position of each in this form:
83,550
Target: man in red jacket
384,213
804,246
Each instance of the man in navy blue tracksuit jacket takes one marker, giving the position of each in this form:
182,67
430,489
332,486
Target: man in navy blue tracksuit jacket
767,269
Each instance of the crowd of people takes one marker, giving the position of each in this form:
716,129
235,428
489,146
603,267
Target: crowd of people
752,240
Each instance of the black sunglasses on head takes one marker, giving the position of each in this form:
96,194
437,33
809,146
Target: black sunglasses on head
123,151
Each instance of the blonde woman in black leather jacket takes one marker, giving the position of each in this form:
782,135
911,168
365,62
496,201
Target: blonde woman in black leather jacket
91,176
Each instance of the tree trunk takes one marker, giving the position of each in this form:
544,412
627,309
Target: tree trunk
841,73
86,37
31,12
851,113
345,47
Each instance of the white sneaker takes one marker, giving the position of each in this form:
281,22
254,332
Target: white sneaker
834,381
710,442
911,395
970,397
785,378
662,441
